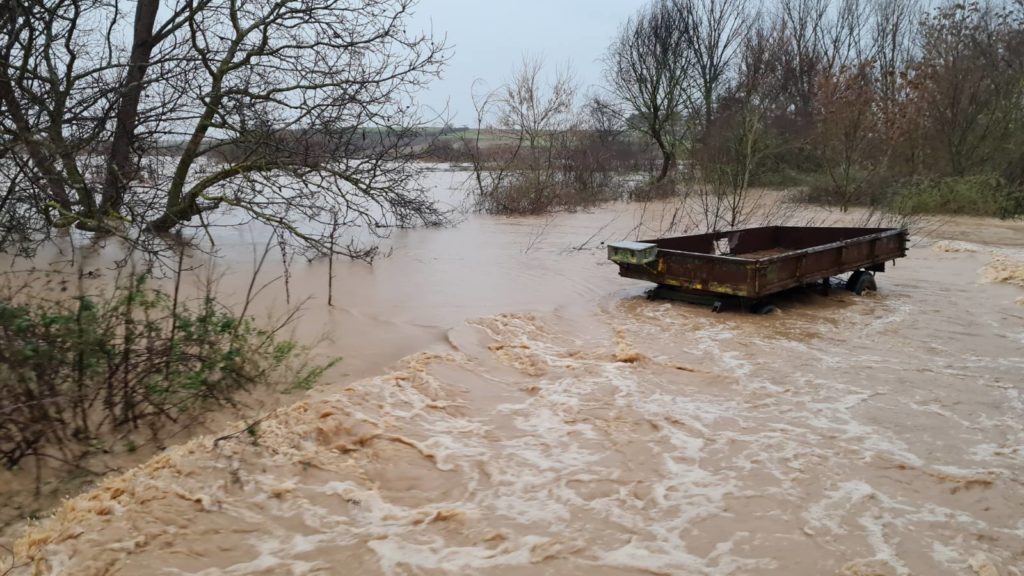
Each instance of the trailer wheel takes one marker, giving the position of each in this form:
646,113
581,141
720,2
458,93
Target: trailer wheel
762,308
860,281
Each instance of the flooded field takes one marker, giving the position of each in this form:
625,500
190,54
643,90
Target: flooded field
507,404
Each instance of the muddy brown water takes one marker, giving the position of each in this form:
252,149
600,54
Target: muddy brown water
508,405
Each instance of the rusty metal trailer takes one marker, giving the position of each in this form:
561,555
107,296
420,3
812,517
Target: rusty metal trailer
745,266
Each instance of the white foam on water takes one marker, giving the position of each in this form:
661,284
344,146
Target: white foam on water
669,440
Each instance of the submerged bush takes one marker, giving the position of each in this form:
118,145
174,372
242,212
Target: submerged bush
982,195
972,195
529,192
76,370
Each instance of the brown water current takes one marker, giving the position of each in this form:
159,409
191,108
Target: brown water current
508,405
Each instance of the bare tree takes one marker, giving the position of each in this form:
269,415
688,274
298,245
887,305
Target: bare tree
733,148
848,130
804,20
969,84
534,110
716,31
893,26
823,36
649,67
842,36
528,118
285,112
847,92
535,150
490,172
605,119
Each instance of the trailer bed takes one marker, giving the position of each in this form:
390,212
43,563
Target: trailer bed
753,263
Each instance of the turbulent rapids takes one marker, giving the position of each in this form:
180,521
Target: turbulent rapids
556,421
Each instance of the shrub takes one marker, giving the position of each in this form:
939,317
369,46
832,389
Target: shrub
973,195
571,175
75,370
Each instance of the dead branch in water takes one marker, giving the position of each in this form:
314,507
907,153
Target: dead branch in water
538,233
249,428
14,565
330,260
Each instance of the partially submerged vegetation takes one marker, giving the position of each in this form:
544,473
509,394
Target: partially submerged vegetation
975,195
109,368
549,153
879,103
122,127
138,122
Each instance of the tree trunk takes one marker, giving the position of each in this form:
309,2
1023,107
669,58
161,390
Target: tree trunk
162,224
119,169
668,161
172,217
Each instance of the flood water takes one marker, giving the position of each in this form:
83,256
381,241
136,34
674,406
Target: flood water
507,404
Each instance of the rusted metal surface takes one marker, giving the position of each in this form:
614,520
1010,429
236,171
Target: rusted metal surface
754,262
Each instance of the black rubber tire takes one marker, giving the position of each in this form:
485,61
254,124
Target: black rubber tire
860,281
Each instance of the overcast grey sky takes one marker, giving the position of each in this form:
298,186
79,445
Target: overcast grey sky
491,36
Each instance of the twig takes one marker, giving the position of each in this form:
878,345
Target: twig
14,561
330,260
534,238
255,274
174,312
583,246
249,428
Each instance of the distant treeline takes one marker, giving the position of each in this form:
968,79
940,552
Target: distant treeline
859,102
